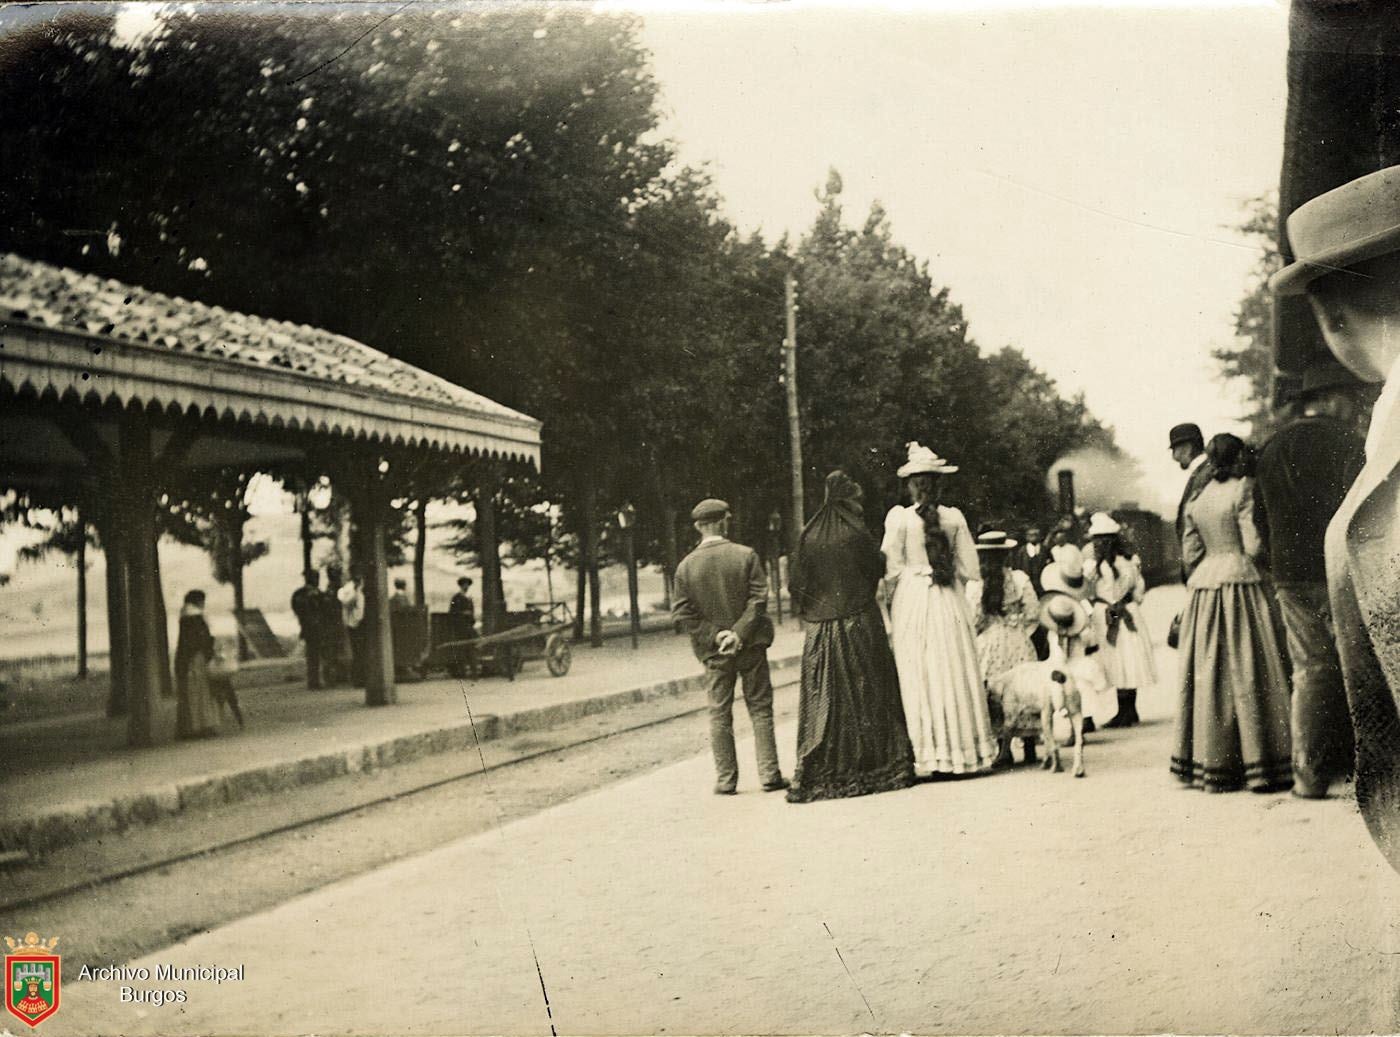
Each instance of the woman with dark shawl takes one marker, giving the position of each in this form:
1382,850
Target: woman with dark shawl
851,734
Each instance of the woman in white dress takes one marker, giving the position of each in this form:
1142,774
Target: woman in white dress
1125,644
929,559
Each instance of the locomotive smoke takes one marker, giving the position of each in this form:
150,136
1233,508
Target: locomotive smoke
1103,480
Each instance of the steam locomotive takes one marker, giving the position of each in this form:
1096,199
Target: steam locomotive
1152,536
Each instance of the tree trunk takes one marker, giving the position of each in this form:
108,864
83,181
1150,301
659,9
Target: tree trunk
235,569
375,629
307,540
82,598
488,550
420,552
673,561
147,617
590,564
167,683
582,597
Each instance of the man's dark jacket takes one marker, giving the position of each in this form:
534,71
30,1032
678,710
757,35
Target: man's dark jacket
720,586
1305,470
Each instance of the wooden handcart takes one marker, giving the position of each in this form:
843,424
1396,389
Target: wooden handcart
541,631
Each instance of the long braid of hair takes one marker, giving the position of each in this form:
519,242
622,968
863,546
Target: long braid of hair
994,594
936,545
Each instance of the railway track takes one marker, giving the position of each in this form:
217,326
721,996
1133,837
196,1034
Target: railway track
245,826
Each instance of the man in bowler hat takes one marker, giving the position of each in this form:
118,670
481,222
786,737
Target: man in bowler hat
721,601
1347,248
1188,448
1304,472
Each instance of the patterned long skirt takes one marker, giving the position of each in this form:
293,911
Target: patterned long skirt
851,735
1232,724
945,703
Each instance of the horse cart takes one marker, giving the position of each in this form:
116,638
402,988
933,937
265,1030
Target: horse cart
541,631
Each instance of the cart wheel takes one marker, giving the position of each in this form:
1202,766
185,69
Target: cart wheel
558,655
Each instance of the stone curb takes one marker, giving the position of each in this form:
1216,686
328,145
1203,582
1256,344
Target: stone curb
76,822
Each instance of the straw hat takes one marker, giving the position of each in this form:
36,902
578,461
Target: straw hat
995,540
923,460
1062,614
1102,524
1067,574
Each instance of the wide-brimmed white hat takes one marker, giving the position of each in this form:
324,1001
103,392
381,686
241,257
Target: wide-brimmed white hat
1102,524
995,540
1062,614
921,460
1067,574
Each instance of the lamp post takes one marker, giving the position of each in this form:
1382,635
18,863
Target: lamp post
626,521
775,549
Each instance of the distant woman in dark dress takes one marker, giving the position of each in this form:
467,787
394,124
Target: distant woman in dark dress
195,715
851,734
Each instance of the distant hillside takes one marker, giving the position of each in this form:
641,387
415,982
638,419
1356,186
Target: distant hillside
38,605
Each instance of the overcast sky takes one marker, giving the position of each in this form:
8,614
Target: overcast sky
1071,173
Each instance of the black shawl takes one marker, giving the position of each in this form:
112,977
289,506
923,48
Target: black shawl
838,563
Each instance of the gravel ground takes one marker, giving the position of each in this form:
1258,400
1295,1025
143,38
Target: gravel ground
1022,902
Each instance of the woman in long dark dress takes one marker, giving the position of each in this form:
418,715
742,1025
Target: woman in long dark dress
851,734
195,716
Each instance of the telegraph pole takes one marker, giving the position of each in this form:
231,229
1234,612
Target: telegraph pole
799,513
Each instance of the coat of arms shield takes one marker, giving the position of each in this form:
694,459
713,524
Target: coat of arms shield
31,981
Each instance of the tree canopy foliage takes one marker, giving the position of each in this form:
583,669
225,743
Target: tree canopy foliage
482,191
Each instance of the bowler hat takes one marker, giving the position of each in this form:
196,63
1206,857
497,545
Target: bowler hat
1324,376
1353,223
711,509
1187,432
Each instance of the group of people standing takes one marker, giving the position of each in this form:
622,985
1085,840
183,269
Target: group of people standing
1252,527
331,623
915,642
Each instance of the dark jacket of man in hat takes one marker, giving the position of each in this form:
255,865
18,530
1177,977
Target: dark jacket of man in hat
721,601
1303,475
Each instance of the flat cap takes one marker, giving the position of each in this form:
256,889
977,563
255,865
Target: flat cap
1188,432
708,510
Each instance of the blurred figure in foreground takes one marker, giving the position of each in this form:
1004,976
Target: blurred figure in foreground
1347,244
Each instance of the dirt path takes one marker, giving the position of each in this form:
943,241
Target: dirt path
1018,903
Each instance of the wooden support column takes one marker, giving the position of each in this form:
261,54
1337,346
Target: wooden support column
371,513
118,619
146,631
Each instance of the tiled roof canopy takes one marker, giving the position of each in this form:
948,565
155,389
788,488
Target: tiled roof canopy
70,333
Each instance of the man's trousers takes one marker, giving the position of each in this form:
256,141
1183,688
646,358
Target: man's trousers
1323,744
722,672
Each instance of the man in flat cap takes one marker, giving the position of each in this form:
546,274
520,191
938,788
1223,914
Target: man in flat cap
1304,472
1347,248
721,601
1188,448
